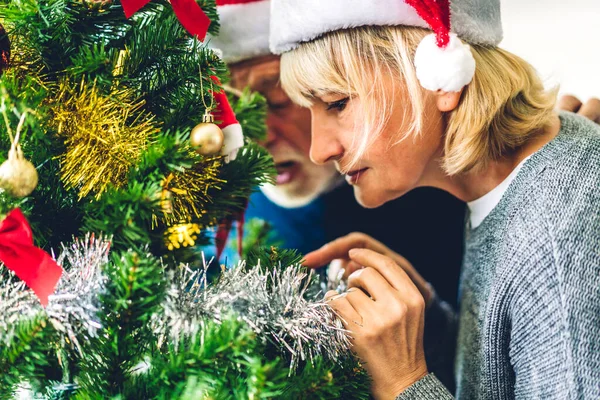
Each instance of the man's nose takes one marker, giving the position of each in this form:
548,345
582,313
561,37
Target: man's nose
271,136
324,145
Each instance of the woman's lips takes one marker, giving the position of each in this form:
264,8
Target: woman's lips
353,176
286,171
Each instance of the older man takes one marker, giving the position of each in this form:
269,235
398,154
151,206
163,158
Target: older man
309,206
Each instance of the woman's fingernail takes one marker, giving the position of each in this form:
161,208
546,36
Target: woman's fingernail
352,252
356,273
339,296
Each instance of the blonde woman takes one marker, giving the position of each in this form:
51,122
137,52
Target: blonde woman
398,102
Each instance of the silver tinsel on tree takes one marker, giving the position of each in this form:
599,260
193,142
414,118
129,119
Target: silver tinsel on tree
274,304
279,305
72,309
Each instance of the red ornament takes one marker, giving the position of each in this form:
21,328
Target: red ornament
188,12
4,50
224,229
31,264
232,130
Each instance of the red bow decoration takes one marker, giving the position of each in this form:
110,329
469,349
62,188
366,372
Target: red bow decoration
31,264
188,12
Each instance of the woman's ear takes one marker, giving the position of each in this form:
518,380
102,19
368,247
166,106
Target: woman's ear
447,101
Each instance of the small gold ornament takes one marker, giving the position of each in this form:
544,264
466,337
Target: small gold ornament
18,176
207,138
181,235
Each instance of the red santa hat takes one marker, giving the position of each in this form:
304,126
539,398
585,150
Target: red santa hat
442,61
227,121
244,31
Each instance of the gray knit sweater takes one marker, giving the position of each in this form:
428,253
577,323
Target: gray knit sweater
529,325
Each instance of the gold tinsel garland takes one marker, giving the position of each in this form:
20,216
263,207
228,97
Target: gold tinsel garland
104,135
184,199
185,192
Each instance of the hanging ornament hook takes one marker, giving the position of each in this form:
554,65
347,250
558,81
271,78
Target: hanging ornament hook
206,137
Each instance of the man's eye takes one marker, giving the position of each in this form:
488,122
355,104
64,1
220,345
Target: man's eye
338,105
278,105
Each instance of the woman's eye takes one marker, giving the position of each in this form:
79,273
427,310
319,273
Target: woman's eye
338,105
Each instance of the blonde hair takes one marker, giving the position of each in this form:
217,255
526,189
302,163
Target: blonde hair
503,107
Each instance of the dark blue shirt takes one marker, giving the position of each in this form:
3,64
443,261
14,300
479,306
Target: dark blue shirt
426,226
301,228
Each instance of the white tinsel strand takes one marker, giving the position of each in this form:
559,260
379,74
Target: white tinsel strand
272,303
16,303
72,309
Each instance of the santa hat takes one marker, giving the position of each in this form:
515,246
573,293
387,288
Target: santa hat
244,31
227,121
442,61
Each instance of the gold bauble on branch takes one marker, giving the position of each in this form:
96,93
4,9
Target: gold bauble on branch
18,176
207,138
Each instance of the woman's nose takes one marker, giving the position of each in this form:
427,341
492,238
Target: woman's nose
325,145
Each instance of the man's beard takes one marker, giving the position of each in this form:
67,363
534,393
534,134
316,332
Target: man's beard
283,198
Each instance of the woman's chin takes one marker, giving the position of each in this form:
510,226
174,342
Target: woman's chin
368,198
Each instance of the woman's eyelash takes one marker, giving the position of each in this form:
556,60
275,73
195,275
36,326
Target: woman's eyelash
338,105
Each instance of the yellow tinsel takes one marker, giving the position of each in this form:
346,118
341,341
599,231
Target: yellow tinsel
185,195
104,135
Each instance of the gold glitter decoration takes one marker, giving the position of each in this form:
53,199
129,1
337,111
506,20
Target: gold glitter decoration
181,235
120,64
104,136
184,194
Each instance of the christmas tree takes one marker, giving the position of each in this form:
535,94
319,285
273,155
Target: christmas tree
111,170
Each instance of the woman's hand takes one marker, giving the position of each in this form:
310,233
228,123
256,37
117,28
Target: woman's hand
338,250
384,312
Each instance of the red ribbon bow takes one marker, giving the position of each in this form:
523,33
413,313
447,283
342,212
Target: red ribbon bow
31,264
188,12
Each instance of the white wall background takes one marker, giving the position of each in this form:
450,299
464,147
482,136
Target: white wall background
560,38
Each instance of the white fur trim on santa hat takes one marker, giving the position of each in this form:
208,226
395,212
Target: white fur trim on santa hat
294,22
297,21
244,31
448,69
233,141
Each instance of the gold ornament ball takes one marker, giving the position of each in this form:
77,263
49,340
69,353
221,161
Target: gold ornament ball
207,138
18,177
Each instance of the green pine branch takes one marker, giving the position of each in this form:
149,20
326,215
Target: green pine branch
251,111
135,291
26,355
222,361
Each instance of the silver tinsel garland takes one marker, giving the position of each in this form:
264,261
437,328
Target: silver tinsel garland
72,309
274,304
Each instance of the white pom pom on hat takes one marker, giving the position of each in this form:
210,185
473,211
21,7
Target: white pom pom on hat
442,61
448,69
